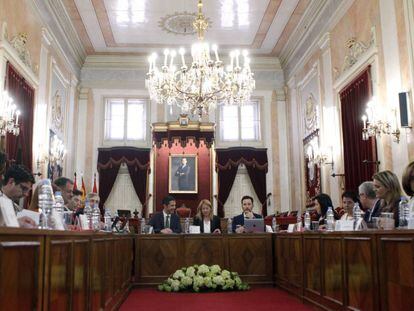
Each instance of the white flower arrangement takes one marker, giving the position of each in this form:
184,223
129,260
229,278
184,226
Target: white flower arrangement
203,278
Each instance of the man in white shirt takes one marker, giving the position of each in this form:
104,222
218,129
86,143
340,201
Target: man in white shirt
17,184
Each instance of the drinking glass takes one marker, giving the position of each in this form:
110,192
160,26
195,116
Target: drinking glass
387,221
315,225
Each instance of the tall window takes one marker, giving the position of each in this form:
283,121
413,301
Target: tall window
240,123
125,119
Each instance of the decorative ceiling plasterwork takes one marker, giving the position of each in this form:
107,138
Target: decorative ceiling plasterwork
180,23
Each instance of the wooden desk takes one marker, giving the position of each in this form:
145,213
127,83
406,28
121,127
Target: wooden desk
58,270
158,256
369,270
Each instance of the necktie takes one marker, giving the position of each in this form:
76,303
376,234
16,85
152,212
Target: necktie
167,222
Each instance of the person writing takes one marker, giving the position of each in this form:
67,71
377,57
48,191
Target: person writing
247,207
208,222
17,184
166,221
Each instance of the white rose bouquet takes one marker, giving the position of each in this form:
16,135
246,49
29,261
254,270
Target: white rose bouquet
203,278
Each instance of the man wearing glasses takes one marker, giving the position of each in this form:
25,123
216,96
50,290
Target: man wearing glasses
17,184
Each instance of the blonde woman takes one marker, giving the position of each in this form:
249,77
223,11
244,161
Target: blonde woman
204,218
387,189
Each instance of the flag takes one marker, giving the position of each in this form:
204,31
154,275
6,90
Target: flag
75,184
83,189
94,188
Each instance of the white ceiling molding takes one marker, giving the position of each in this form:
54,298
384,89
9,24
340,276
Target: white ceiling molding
62,35
323,19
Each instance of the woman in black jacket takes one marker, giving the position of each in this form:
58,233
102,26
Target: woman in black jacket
204,218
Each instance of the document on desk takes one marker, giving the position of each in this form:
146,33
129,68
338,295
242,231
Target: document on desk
31,214
194,229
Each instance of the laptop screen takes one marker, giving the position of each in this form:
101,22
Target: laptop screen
254,225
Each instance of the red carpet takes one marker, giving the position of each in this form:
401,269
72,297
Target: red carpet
261,298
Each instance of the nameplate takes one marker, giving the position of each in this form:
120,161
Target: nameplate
8,213
344,225
291,228
195,229
411,221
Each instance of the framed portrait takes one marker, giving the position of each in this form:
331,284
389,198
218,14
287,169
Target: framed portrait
182,173
183,120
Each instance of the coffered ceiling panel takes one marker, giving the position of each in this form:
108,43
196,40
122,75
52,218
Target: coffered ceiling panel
142,26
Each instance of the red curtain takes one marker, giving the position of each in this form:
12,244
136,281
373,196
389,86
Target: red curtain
358,154
19,148
227,163
138,163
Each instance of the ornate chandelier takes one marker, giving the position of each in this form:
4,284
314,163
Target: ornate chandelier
205,83
9,116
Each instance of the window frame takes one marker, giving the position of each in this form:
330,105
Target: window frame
125,141
240,141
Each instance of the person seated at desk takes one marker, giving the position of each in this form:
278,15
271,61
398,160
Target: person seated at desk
322,202
408,184
166,221
349,198
247,207
208,222
17,183
369,202
388,191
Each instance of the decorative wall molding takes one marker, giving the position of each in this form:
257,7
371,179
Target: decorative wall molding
20,58
356,50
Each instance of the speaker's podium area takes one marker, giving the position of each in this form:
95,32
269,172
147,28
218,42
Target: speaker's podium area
140,139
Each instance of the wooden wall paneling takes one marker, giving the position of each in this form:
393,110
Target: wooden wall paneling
312,276
157,257
127,257
205,249
332,270
295,264
361,272
81,269
97,273
58,273
250,256
281,245
112,275
21,271
396,270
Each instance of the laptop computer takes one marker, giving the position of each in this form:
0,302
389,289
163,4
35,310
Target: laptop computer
254,225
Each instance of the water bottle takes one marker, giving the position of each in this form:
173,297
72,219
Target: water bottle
107,219
87,211
229,226
307,221
187,225
274,224
142,225
46,202
357,215
404,213
330,219
299,221
96,217
59,202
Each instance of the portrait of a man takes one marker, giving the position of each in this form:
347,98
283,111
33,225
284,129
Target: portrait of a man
183,174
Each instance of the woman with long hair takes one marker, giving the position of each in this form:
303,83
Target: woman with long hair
204,218
387,189
322,202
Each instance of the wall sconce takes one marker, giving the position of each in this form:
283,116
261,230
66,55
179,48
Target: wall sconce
9,116
374,126
325,157
57,150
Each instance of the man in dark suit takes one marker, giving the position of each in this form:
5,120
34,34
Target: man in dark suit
183,174
247,207
166,221
370,203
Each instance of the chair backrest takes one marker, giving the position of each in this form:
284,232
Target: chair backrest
183,212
